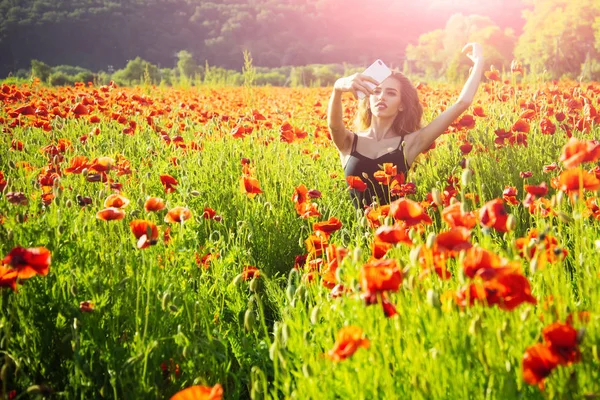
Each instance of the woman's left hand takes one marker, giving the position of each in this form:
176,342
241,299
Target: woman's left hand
476,54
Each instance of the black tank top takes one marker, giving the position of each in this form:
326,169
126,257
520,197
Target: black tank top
358,164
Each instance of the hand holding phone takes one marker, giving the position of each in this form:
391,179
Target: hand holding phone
378,71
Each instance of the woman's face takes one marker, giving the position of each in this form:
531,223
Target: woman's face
386,100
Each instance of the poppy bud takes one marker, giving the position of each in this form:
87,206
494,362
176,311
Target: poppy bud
365,175
356,255
580,335
289,292
466,177
433,298
430,240
44,390
136,214
564,218
559,198
300,293
254,285
414,255
10,235
285,333
475,326
195,193
307,370
165,299
274,351
238,280
293,276
249,320
68,203
173,308
511,222
315,315
436,196
12,164
533,266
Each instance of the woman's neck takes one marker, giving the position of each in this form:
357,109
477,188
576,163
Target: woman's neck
380,128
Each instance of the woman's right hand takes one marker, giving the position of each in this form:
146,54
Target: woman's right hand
354,83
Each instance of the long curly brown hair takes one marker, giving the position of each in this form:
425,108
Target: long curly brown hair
407,121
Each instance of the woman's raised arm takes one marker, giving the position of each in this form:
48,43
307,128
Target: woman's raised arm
342,137
429,133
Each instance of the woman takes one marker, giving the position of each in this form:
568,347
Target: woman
389,122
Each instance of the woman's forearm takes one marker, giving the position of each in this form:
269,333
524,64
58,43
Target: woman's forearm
468,92
335,114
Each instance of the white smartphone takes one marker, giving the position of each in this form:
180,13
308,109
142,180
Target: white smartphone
378,71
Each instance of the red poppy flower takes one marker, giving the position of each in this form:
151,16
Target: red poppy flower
547,127
466,148
478,111
538,362
307,210
454,216
516,67
510,195
102,164
526,174
550,167
250,272
380,248
110,214
375,214
562,341
515,290
178,215
250,186
8,277
209,213
86,306
479,262
316,244
349,339
409,211
493,74
145,231
521,125
169,183
3,182
494,215
354,182
380,275
578,151
28,262
198,392
397,233
453,240
331,225
116,201
154,204
78,164
576,180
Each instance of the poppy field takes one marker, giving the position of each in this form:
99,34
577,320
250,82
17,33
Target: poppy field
201,243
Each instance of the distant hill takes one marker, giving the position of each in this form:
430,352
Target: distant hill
97,33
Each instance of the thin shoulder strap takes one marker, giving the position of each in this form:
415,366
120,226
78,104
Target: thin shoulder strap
354,140
401,143
401,147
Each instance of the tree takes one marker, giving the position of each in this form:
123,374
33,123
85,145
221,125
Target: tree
40,70
438,52
186,64
559,36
